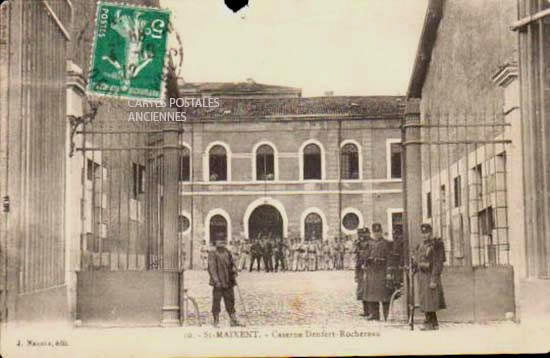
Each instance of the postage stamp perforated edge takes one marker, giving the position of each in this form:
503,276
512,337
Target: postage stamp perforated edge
97,95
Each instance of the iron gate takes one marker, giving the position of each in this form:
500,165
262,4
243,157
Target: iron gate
456,178
131,242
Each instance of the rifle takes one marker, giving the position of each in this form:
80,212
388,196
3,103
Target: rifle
410,296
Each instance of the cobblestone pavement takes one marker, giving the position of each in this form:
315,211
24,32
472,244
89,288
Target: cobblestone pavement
289,298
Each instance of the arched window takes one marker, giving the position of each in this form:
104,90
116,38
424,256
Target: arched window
313,227
312,162
218,228
217,160
265,163
349,162
184,170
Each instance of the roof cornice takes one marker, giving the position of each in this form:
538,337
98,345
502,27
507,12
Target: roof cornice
434,13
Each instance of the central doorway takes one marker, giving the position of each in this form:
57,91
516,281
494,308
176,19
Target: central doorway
265,220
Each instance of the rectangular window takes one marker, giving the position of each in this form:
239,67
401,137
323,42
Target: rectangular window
396,224
443,196
458,191
395,150
92,170
184,172
138,171
429,205
479,179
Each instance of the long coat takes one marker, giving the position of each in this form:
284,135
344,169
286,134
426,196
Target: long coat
377,262
221,268
429,257
360,264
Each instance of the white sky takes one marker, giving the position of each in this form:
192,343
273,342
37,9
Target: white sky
351,47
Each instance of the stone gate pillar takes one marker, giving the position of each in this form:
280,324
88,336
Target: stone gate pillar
412,178
170,258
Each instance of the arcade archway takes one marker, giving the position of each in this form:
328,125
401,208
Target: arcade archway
265,220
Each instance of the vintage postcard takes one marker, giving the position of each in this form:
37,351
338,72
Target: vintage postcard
220,178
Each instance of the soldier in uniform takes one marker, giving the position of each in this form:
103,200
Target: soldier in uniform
245,254
223,275
291,255
348,252
268,253
302,256
256,254
361,252
428,260
379,252
395,263
311,256
279,249
204,255
235,248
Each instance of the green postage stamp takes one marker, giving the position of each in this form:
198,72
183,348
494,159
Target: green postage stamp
129,52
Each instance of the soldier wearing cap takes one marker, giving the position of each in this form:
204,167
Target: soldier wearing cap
361,252
223,275
428,260
379,252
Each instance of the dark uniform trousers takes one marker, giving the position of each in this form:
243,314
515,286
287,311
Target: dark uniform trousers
222,272
228,295
377,290
256,255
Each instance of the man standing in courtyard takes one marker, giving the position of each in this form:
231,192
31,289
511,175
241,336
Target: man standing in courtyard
223,279
379,251
245,254
428,260
361,252
256,252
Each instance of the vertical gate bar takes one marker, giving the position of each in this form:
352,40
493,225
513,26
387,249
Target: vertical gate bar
161,210
36,215
477,195
544,55
120,166
191,196
135,225
82,198
46,147
93,203
467,239
450,201
108,202
497,209
100,197
442,194
489,160
148,182
131,180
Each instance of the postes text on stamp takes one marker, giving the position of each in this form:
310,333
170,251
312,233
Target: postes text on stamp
129,51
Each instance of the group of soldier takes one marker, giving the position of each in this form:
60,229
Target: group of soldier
379,268
275,254
379,273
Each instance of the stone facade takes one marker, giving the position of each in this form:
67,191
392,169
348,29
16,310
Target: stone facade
374,195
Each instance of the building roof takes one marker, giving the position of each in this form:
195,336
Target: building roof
426,44
302,107
236,89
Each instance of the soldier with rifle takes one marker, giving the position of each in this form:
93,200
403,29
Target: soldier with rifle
428,260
